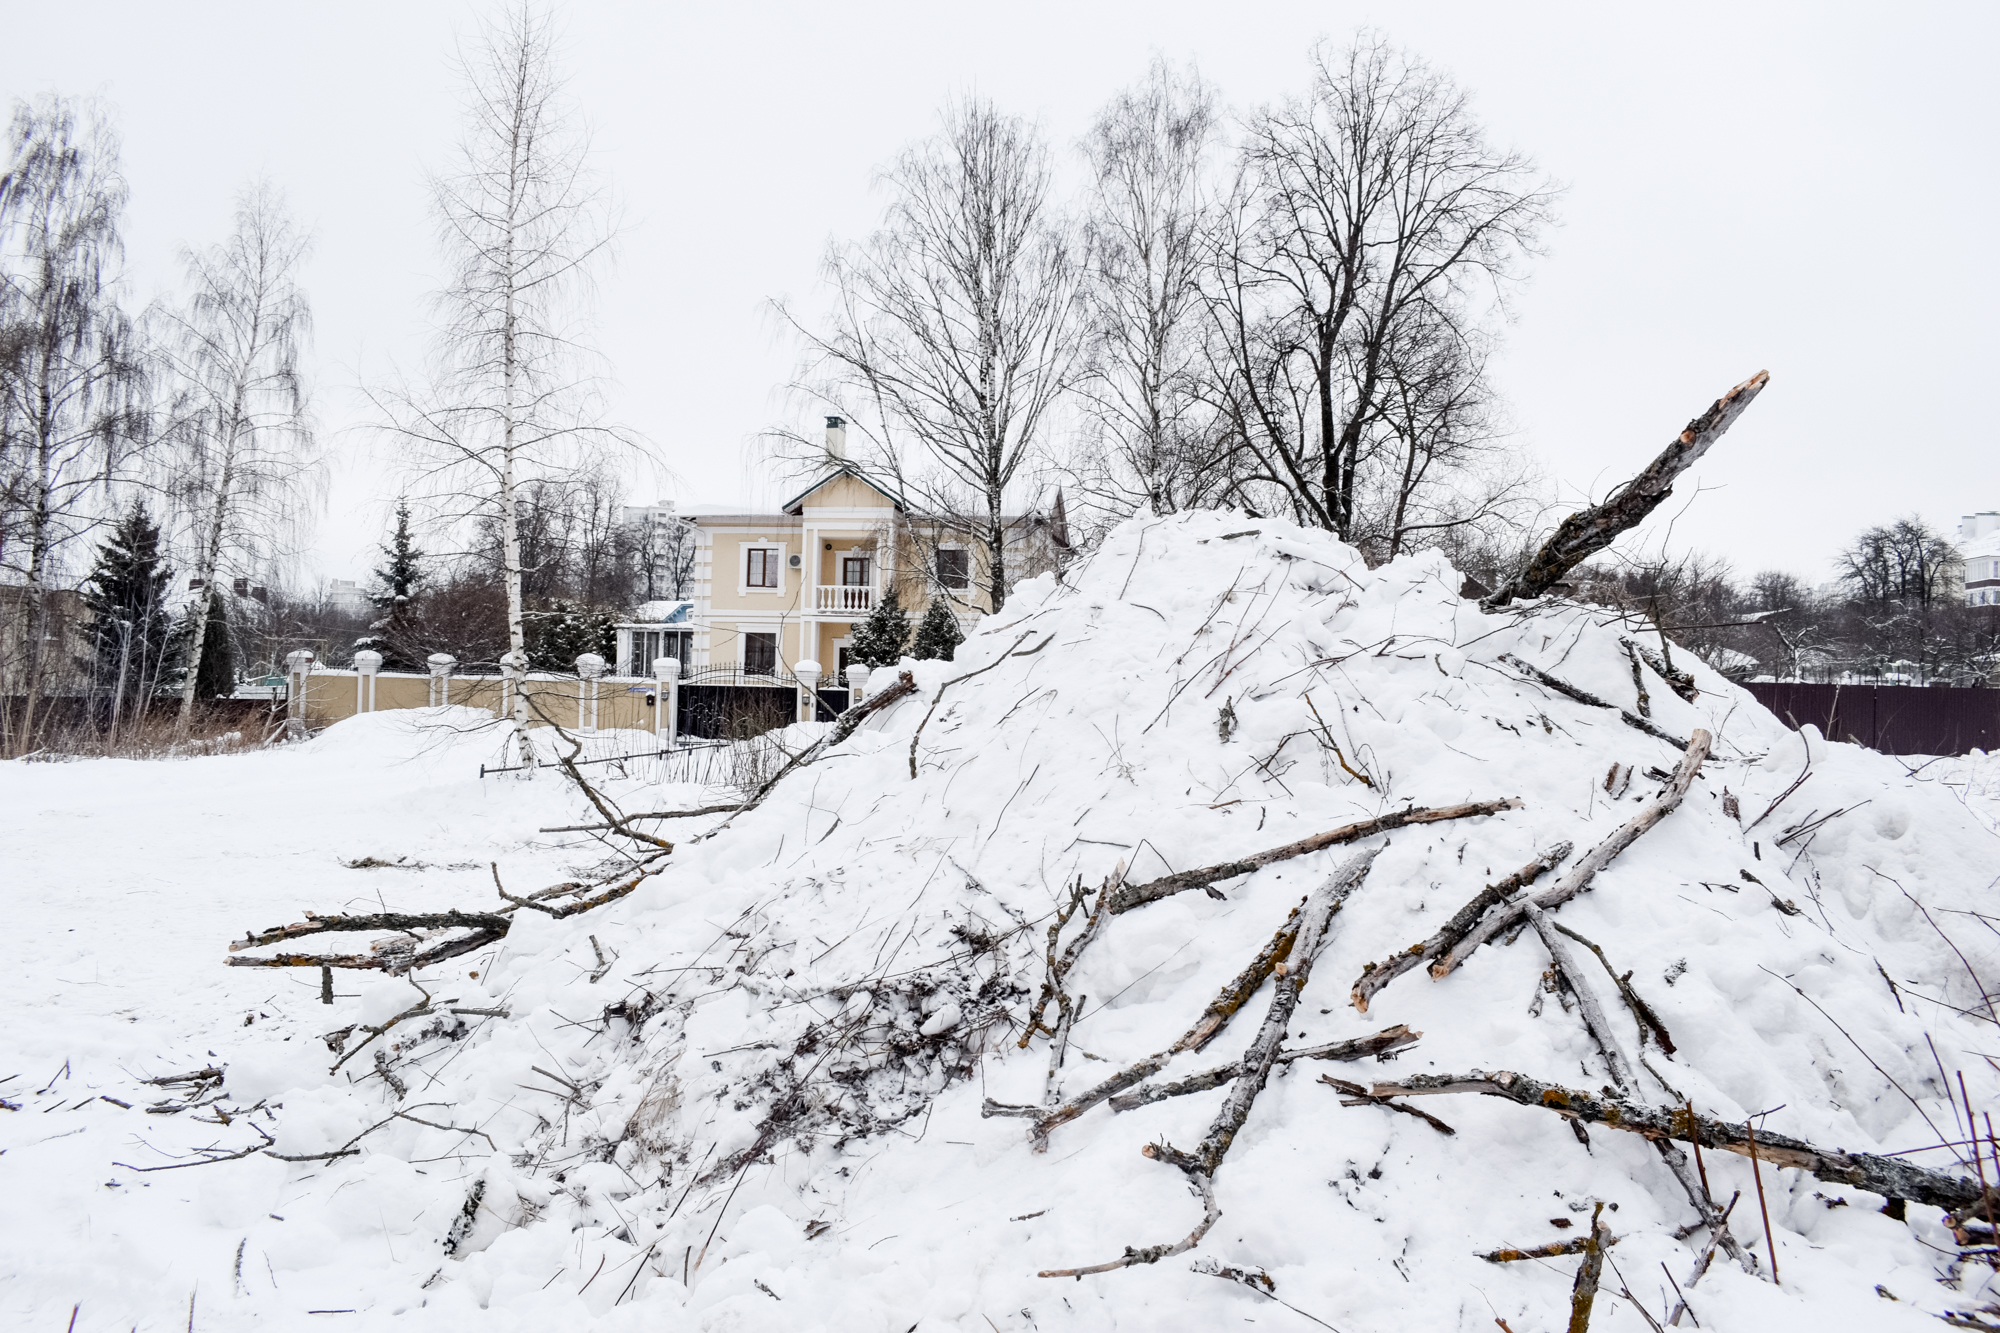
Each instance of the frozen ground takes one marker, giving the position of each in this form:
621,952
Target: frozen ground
764,1113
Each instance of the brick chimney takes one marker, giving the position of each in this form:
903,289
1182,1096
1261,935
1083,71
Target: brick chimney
836,439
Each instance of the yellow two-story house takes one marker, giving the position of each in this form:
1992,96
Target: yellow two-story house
771,590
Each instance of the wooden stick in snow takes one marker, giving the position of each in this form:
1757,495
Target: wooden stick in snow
1374,976
1568,690
1355,1048
1584,1293
1888,1176
1589,531
1581,874
1200,1166
1138,895
1586,997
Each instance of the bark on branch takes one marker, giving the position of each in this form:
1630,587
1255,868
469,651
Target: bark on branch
1888,1176
1568,690
1585,533
1138,895
1355,1048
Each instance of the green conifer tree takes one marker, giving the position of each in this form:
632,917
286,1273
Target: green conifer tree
938,634
215,675
879,640
127,595
402,578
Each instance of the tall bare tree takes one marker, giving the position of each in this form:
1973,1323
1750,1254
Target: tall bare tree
512,400
72,376
247,467
1370,204
1154,431
957,321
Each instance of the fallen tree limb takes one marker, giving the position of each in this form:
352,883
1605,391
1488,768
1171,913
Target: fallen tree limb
1213,1019
1200,1166
1568,690
1888,1176
1680,682
1648,1020
1356,1048
1584,1293
1358,1096
843,727
1594,1020
1138,895
1553,1250
728,809
1585,533
1374,976
326,925
1580,875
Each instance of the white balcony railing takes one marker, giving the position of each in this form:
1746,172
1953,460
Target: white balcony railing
844,599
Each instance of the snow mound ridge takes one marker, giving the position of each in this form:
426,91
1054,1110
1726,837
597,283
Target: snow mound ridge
751,1093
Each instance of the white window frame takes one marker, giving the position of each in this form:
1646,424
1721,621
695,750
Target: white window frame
744,588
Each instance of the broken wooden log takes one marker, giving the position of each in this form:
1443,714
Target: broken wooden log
1580,875
1585,533
1570,691
1374,976
1553,1250
1200,1166
1138,895
1888,1176
1354,1048
1583,1294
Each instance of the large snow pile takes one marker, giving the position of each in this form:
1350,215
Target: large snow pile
748,1095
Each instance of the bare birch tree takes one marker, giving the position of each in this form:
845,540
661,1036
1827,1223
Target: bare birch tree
72,375
958,320
1153,429
511,401
1371,203
246,468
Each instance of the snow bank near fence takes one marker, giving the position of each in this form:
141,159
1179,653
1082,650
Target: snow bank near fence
764,1113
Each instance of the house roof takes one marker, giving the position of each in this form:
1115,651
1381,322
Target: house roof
797,503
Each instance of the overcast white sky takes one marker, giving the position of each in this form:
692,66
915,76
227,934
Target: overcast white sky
1804,188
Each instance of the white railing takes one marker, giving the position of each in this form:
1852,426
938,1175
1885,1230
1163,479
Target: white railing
844,599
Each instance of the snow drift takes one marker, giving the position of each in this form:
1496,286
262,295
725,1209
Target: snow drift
749,1094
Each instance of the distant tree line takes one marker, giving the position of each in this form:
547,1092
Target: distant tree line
1895,612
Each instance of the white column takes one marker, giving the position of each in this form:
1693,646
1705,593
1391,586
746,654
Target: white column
666,698
808,673
857,684
366,663
440,665
588,668
298,665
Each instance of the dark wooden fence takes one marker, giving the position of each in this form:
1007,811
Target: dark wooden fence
1895,719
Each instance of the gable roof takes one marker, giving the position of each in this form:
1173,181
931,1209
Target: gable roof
796,504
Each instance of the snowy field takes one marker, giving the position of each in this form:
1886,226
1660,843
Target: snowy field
761,1109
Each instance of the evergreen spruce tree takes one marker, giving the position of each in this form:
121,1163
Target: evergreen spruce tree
401,579
127,594
879,640
215,675
938,634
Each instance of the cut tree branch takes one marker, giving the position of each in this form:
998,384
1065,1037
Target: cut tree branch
1355,1048
1375,976
1585,533
1890,1177
1568,690
1580,875
1138,895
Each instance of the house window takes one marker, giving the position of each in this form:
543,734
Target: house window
854,571
648,644
760,654
761,566
953,567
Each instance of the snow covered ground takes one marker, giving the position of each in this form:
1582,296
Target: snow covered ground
764,1113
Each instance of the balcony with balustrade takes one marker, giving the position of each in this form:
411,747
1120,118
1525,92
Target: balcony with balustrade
844,599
